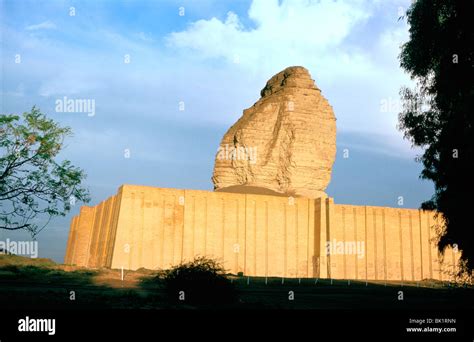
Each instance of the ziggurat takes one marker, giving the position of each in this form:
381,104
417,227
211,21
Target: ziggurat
269,215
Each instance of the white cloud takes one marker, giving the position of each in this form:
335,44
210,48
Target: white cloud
286,33
45,25
355,65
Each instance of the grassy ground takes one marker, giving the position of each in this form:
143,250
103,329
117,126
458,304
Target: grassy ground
41,284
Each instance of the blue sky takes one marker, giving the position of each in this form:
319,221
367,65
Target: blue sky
215,59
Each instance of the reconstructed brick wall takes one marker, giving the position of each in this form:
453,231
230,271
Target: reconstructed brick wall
398,244
255,234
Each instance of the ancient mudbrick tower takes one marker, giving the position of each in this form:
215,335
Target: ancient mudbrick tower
284,144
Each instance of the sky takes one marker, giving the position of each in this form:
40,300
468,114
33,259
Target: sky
168,78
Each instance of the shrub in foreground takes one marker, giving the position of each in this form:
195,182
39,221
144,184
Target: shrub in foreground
201,281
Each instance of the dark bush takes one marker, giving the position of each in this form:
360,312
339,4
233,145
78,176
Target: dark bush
201,281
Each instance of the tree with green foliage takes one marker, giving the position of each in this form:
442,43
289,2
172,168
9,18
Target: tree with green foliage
438,115
34,187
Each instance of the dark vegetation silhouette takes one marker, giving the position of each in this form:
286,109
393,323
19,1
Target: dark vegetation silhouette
438,114
201,281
